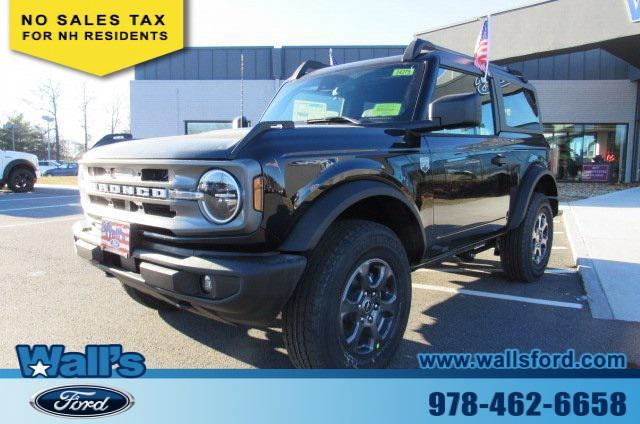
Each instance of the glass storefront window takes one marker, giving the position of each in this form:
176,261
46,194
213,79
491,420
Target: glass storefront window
587,152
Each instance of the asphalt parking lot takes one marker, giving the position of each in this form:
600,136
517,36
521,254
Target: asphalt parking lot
50,296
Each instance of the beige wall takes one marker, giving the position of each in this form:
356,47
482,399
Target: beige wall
548,26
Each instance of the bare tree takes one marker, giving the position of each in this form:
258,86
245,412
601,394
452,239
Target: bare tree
50,93
115,113
84,106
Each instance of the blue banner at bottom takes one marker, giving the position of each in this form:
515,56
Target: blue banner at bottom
270,399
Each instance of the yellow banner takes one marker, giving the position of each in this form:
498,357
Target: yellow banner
96,36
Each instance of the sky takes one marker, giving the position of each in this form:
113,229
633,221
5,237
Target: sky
228,23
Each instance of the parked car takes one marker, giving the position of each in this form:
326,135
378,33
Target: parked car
356,175
46,165
112,138
18,170
67,169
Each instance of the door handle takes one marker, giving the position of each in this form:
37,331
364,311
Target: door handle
499,160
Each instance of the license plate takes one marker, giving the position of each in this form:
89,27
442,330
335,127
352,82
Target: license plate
116,237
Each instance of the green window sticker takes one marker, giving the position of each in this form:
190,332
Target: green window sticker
385,109
402,72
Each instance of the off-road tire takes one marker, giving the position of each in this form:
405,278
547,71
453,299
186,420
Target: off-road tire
313,321
21,180
517,246
147,300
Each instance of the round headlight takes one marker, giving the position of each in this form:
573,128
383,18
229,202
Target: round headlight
221,200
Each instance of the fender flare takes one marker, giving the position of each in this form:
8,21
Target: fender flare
15,163
311,226
520,202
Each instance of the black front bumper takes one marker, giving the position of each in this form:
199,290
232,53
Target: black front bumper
249,288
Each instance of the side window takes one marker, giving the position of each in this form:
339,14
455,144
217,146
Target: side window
453,82
520,107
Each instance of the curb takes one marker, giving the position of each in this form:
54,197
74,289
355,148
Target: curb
598,301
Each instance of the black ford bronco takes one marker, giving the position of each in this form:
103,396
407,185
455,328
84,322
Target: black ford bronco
356,175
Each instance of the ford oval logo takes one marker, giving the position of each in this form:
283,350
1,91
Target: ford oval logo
82,401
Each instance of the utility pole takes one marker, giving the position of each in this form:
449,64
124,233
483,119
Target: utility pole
48,119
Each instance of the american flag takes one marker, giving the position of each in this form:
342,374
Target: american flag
481,55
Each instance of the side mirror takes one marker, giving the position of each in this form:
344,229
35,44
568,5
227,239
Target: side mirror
457,111
240,122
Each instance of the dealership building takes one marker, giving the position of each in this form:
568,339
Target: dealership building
583,56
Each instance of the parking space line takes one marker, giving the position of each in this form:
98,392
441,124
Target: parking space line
499,296
46,221
14,199
560,271
558,232
559,248
40,207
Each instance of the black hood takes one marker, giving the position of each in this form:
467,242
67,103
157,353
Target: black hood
210,145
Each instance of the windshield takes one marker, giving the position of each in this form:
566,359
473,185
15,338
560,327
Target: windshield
383,93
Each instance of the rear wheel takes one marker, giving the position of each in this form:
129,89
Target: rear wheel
147,300
351,307
21,180
525,250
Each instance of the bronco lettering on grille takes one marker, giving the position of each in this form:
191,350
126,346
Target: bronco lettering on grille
149,192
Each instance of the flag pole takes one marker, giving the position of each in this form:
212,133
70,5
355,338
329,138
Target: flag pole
486,72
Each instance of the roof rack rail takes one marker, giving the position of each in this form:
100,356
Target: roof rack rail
306,68
517,73
419,46
416,47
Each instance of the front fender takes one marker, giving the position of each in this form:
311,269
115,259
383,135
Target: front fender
340,172
13,164
315,221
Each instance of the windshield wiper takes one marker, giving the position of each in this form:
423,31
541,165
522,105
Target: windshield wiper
334,120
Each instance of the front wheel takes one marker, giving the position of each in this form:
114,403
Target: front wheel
22,180
525,250
351,307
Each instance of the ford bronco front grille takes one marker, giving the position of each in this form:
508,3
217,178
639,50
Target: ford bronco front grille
162,194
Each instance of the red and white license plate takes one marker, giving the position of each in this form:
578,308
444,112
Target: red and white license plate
116,237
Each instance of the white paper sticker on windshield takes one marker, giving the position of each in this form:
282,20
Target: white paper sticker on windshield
303,110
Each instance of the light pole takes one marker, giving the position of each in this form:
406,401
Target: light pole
12,127
242,88
49,120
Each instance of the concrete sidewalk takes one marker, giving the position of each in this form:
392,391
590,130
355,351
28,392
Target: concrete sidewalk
604,232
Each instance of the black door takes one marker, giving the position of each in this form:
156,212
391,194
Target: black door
462,201
469,167
497,170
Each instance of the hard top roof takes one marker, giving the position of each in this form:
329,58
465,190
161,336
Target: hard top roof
417,51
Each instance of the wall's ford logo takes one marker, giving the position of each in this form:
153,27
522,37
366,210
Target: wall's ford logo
634,9
82,401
